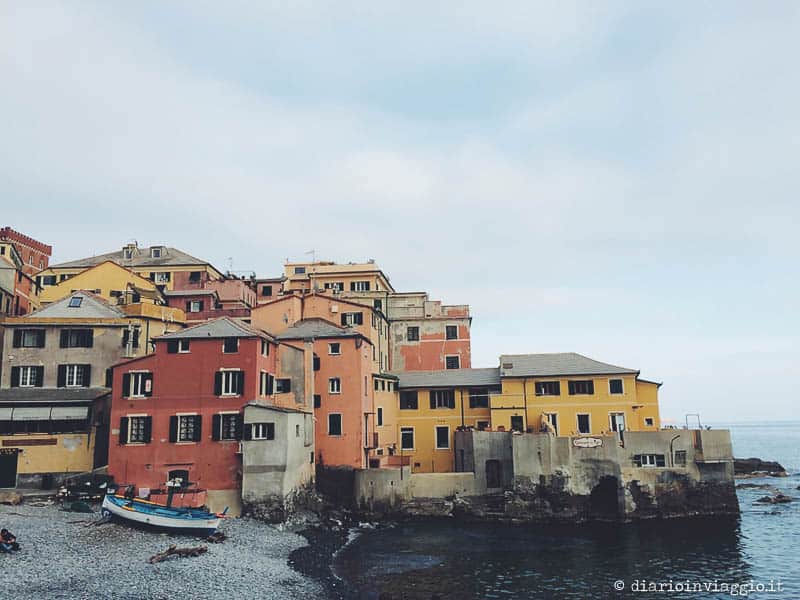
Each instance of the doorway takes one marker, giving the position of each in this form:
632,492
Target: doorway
8,468
617,423
493,474
517,424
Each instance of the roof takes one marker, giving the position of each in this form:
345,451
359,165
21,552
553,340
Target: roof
223,327
141,258
91,307
199,292
284,409
316,328
550,365
52,395
448,378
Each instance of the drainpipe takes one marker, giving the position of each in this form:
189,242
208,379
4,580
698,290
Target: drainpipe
671,455
525,400
462,408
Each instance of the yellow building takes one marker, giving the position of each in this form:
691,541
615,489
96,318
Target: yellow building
168,267
352,279
432,405
112,282
570,394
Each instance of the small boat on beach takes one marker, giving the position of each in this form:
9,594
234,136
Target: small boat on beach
145,512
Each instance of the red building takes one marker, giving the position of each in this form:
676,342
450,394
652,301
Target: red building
34,254
178,412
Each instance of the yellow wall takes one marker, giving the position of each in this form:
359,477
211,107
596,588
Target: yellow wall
598,406
424,421
105,277
143,272
73,453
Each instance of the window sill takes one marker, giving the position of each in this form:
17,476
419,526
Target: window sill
185,443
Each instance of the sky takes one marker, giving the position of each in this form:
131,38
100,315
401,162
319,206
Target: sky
617,179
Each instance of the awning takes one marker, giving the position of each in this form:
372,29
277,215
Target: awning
31,413
5,413
65,413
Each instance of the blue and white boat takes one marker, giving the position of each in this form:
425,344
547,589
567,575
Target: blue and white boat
149,513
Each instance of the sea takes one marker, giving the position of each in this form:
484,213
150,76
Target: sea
754,556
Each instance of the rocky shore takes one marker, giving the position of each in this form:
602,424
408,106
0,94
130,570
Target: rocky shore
64,556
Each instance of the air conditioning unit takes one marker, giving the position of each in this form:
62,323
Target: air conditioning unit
334,308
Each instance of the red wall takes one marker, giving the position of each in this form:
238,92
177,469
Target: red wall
429,353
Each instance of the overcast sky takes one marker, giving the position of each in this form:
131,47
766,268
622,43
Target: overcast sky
614,179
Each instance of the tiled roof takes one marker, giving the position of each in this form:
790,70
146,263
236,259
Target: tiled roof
448,378
315,328
91,307
550,365
141,258
52,395
198,292
224,327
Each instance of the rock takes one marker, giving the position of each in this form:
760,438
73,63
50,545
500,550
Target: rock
754,486
13,498
776,499
755,467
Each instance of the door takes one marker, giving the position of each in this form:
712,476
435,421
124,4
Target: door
552,418
617,422
493,478
8,469
516,424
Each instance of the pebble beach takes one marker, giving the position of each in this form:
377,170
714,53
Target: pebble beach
64,555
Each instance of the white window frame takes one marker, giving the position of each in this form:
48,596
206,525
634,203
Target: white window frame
130,439
222,416
155,252
449,339
227,382
137,383
26,333
261,428
555,425
183,346
621,380
161,277
30,379
264,348
334,385
263,379
413,439
237,346
178,433
194,306
436,437
457,357
578,423
71,373
648,461
341,425
361,286
330,349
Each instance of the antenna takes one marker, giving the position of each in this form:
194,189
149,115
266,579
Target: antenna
313,254
229,260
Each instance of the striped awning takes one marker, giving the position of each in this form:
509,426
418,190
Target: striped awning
65,413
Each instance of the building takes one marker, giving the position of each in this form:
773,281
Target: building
570,394
266,288
18,290
433,405
230,297
108,280
34,254
426,335
179,413
167,267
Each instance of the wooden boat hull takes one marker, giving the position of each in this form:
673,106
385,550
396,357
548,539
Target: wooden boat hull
154,515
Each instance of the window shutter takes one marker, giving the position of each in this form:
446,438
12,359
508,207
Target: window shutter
89,338
344,319
126,385
218,383
61,378
247,430
148,389
316,363
39,376
125,334
432,396
87,375
198,428
239,427
40,338
15,375
109,377
173,429
188,306
17,338
591,386
148,429
216,427
571,385
240,382
359,318
152,276
352,286
172,346
136,338
64,338
270,385
202,303
451,401
123,430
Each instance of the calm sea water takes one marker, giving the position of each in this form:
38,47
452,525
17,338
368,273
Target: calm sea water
454,560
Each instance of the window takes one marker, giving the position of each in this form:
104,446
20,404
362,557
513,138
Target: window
262,431
138,385
451,332
283,386
231,383
583,424
409,400
266,290
379,416
195,276
317,401
130,337
76,338
334,424
581,387
334,385
443,399
442,437
195,306
230,345
352,318
377,385
48,280
679,459
28,376
552,419
162,277
264,348
75,301
299,270
228,424
188,428
127,253
412,334
177,346
75,375
316,363
359,286
548,388
377,305
28,338
482,425
406,438
517,423
155,252
648,422
183,346
452,362
478,398
266,384
137,433
615,386
649,460
336,286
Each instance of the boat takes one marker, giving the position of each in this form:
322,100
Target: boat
145,512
